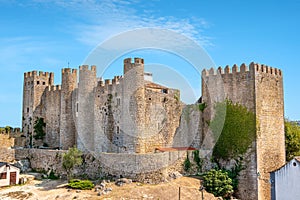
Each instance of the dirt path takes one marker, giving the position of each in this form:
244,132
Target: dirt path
57,190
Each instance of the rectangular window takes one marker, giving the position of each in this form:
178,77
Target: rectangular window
44,83
27,110
38,82
3,175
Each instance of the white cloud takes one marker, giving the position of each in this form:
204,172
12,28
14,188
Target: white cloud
103,19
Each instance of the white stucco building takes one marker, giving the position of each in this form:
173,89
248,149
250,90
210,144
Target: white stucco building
285,181
9,174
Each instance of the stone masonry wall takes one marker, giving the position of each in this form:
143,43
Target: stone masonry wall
270,126
189,132
6,153
237,85
148,168
67,124
51,114
162,117
260,90
33,89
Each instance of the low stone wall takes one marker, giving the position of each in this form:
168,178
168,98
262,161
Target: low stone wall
151,168
6,141
41,159
7,155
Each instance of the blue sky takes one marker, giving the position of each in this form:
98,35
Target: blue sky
46,35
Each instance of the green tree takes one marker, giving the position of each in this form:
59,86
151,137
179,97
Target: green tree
71,159
8,129
292,139
218,183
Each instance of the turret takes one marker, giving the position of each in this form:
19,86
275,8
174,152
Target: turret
134,94
67,124
85,129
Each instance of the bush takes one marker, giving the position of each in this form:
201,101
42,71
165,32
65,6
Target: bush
81,184
71,159
52,176
218,183
187,164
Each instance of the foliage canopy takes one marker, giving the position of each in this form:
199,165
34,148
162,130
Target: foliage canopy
292,139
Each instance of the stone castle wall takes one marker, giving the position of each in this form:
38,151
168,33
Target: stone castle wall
51,114
108,106
191,123
130,115
148,168
6,153
270,126
258,88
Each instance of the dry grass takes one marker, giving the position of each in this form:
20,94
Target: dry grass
56,189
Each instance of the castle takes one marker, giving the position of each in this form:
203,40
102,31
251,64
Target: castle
133,115
129,113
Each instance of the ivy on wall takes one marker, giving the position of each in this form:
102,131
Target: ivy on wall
236,133
39,128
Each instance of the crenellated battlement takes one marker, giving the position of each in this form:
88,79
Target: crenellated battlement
260,68
242,69
128,64
86,68
54,88
136,61
114,81
69,71
39,74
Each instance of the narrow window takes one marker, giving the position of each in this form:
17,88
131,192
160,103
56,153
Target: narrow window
27,110
3,175
76,107
38,82
165,91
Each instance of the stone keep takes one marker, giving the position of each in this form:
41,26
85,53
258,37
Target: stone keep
260,89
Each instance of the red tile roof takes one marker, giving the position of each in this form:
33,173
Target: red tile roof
167,149
154,85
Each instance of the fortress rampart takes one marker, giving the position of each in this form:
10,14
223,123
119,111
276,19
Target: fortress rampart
131,115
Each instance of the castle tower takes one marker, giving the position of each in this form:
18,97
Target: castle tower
85,127
133,105
260,89
67,124
33,89
269,107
